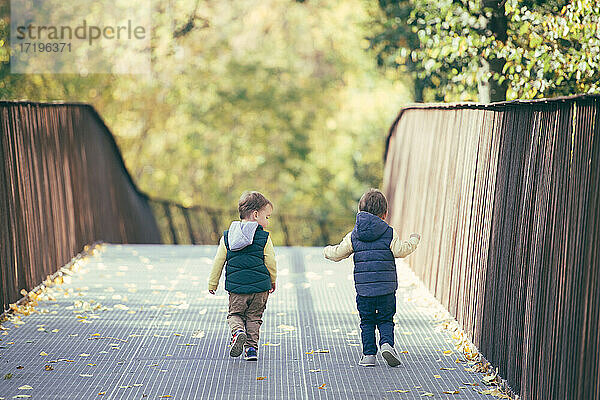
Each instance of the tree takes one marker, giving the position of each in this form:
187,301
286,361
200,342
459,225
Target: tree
467,49
272,95
555,49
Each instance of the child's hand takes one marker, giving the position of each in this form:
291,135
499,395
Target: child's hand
211,291
272,287
416,235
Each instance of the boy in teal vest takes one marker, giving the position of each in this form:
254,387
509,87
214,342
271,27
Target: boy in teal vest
246,251
375,245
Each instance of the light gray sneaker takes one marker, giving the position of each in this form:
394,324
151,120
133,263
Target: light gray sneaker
367,360
390,355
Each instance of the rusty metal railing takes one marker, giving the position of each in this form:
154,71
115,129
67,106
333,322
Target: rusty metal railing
205,225
62,185
507,198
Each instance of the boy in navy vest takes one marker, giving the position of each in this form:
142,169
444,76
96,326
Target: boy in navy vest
375,245
246,251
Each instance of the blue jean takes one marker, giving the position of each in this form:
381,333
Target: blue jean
376,311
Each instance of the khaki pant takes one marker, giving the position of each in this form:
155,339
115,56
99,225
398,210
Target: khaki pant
245,313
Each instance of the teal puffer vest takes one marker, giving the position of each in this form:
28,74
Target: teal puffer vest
245,271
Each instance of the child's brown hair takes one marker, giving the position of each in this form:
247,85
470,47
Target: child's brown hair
252,201
374,202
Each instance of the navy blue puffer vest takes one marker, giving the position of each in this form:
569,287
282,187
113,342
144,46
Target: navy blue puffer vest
245,271
374,263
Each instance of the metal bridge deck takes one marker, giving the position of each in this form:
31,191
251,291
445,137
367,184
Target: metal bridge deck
159,334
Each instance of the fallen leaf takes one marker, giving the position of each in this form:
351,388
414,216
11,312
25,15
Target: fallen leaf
317,370
447,352
398,391
164,396
43,353
84,355
48,367
85,375
25,387
7,376
318,351
54,330
451,392
287,328
427,394
20,367
404,352
437,376
271,344
91,365
495,392
101,393
322,386
261,378
447,369
489,379
22,396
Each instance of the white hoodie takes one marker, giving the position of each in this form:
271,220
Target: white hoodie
241,234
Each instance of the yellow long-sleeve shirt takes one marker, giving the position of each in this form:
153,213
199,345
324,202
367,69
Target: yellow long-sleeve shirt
400,248
221,257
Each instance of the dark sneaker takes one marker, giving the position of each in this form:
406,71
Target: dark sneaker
251,354
237,343
390,355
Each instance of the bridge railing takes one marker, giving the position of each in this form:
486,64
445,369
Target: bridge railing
62,185
205,225
507,198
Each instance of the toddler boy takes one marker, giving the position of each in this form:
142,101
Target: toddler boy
375,245
246,251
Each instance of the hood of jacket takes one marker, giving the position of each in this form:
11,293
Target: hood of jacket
241,234
369,227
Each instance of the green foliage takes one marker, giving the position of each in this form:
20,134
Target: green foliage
439,43
553,53
276,96
550,48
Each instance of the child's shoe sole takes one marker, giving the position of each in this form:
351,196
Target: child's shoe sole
251,358
237,347
387,352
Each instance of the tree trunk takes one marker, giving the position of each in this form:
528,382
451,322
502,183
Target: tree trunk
418,88
497,24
